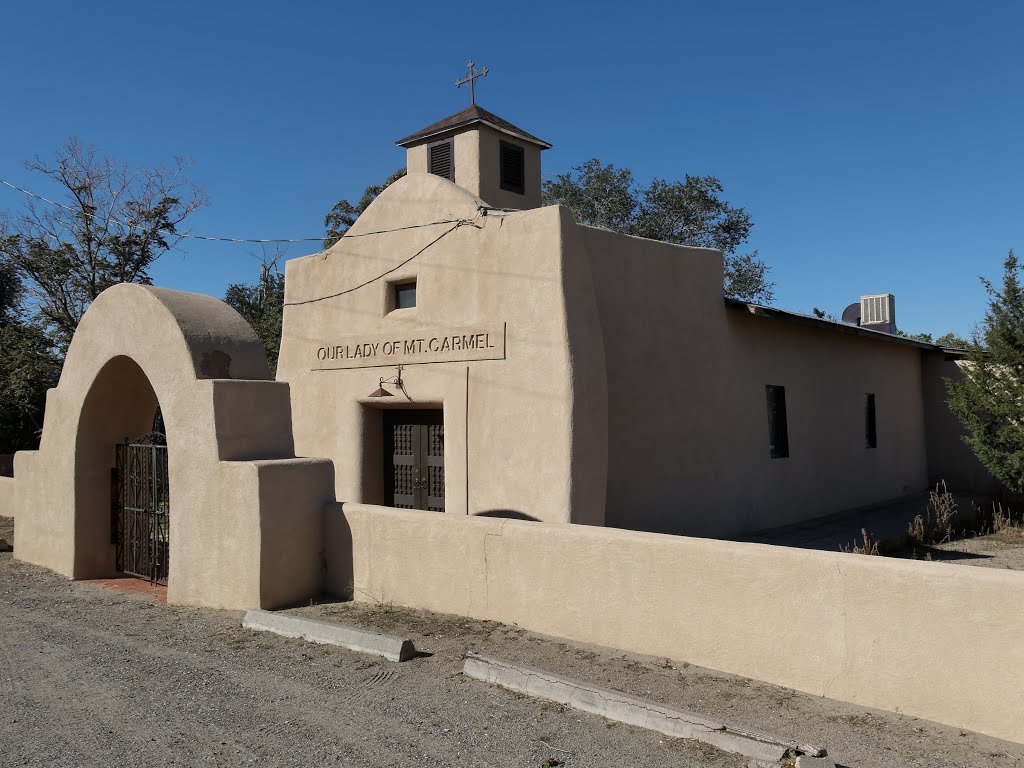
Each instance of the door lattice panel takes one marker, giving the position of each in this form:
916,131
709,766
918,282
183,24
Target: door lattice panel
435,467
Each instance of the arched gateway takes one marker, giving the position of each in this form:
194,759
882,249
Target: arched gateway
243,525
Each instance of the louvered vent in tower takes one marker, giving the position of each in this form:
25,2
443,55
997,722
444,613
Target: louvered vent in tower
512,168
440,161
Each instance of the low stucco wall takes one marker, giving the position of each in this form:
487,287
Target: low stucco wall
931,640
6,496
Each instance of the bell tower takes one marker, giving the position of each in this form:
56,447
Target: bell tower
481,152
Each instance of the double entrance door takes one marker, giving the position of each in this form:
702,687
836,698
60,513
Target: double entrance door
414,459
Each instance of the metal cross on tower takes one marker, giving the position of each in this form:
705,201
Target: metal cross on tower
469,78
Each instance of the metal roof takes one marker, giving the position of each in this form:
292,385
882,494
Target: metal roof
832,325
469,116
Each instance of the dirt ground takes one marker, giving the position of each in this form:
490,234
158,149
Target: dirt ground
93,677
854,736
7,529
995,550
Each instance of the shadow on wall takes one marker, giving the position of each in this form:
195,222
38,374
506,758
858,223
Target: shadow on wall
510,514
337,555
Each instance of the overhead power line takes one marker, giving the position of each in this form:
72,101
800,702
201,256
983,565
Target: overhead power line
455,225
346,235
183,235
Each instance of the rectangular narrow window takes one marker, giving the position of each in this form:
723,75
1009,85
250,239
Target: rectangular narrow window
405,295
778,434
870,431
441,159
512,168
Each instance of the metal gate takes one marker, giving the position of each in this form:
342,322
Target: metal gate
141,505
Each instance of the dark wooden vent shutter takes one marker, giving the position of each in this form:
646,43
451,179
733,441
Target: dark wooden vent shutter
511,168
440,161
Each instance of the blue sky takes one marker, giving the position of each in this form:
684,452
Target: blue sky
876,144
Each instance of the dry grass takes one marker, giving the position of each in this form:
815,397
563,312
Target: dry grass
1003,526
869,546
938,524
1003,519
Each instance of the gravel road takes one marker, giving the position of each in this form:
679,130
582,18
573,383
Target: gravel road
93,677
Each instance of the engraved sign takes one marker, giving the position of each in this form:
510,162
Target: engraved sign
486,342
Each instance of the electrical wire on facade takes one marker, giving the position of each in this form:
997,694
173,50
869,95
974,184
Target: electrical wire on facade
456,224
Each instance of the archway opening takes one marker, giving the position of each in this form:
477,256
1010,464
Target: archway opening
119,412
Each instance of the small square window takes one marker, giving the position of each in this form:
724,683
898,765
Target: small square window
405,295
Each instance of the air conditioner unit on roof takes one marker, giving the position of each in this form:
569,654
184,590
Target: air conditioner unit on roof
878,310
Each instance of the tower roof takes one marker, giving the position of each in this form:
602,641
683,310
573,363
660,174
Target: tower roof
469,116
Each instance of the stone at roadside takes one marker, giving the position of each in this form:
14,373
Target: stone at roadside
806,761
803,761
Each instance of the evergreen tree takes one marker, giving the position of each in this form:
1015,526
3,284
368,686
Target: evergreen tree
989,397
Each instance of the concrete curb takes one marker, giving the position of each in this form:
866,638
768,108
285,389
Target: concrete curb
388,646
629,709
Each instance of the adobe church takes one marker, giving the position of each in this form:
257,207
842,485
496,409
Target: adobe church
464,351
565,373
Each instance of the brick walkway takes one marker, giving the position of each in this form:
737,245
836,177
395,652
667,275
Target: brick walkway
132,586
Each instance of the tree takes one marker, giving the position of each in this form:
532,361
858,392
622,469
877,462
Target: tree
28,367
989,397
925,337
117,221
948,339
262,305
953,341
343,214
688,212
